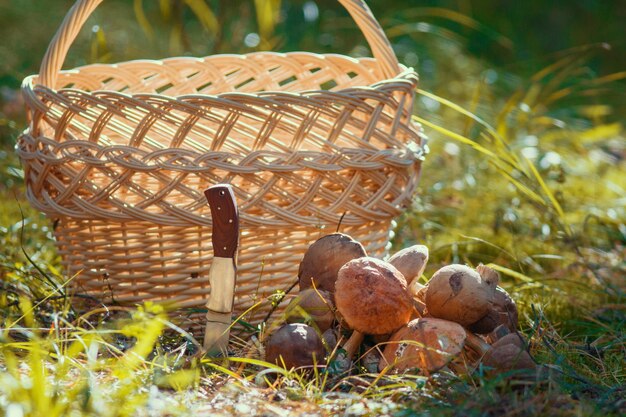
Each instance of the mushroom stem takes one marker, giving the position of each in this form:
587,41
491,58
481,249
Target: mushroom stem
498,333
353,343
475,343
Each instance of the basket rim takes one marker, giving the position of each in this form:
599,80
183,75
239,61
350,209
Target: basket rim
407,74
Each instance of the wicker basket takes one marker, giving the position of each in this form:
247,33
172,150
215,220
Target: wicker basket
118,155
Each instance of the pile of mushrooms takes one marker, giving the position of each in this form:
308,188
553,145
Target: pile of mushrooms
459,320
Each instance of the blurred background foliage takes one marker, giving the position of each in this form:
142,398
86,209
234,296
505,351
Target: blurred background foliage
538,84
534,92
524,103
506,34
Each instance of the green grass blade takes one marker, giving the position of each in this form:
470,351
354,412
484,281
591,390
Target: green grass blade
546,190
143,21
204,14
455,136
460,18
512,273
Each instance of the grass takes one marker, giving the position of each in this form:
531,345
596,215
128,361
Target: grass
525,173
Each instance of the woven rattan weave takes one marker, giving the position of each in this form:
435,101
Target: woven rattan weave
119,156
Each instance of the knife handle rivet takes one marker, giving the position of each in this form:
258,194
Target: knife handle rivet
222,192
219,208
230,220
225,248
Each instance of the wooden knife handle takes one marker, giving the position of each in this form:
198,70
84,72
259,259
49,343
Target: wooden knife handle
225,234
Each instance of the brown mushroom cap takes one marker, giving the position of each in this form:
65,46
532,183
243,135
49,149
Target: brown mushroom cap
426,343
296,345
371,296
330,339
508,357
501,311
411,262
323,259
488,275
510,339
458,293
371,360
317,305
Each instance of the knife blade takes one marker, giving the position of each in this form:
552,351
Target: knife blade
222,275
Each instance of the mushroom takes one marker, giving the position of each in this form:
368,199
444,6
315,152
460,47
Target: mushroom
497,333
511,339
458,293
411,262
502,311
370,360
475,348
312,305
508,352
508,357
324,257
295,345
425,343
372,297
501,335
330,339
417,290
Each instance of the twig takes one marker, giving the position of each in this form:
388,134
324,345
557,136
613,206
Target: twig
341,220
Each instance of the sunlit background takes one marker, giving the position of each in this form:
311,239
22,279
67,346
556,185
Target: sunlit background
524,103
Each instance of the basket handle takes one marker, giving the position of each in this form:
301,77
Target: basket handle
82,9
